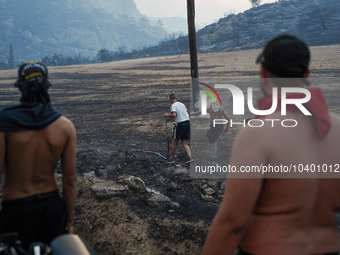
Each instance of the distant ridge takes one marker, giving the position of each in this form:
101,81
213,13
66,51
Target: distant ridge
316,22
39,28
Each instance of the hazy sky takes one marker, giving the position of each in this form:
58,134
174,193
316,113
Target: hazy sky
207,11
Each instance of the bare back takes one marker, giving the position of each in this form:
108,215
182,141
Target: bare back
217,115
30,158
266,216
285,208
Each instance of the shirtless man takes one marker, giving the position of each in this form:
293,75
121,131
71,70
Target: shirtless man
215,112
294,216
33,137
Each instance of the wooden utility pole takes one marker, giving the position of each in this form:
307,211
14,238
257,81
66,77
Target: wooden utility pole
193,53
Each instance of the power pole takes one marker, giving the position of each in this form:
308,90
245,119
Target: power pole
193,53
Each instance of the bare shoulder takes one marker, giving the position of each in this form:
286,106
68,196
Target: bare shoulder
253,138
257,129
262,133
63,124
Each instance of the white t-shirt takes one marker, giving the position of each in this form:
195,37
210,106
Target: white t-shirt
181,112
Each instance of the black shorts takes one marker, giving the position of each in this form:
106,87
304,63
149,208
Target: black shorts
214,133
182,130
40,220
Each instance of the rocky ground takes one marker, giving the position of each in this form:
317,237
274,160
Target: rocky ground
129,201
139,205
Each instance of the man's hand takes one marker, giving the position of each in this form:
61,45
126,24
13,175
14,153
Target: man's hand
226,129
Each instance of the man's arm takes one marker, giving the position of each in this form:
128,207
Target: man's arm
240,197
68,167
171,115
224,114
2,152
195,113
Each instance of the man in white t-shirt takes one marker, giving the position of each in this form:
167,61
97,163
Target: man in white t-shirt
181,128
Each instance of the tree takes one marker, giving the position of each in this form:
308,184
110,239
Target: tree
320,15
104,55
255,3
47,61
10,59
317,18
121,51
57,59
77,59
68,61
236,32
3,66
160,24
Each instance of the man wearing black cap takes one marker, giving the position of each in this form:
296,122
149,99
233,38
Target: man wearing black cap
33,137
282,211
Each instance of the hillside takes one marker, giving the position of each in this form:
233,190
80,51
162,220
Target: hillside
316,22
42,28
116,29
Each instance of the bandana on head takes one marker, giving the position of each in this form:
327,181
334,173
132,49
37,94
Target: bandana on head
35,110
33,82
317,105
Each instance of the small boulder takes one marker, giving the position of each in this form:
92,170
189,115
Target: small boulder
207,198
108,191
134,183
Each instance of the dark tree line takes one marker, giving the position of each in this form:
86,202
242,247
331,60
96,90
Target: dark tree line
61,60
103,55
10,63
